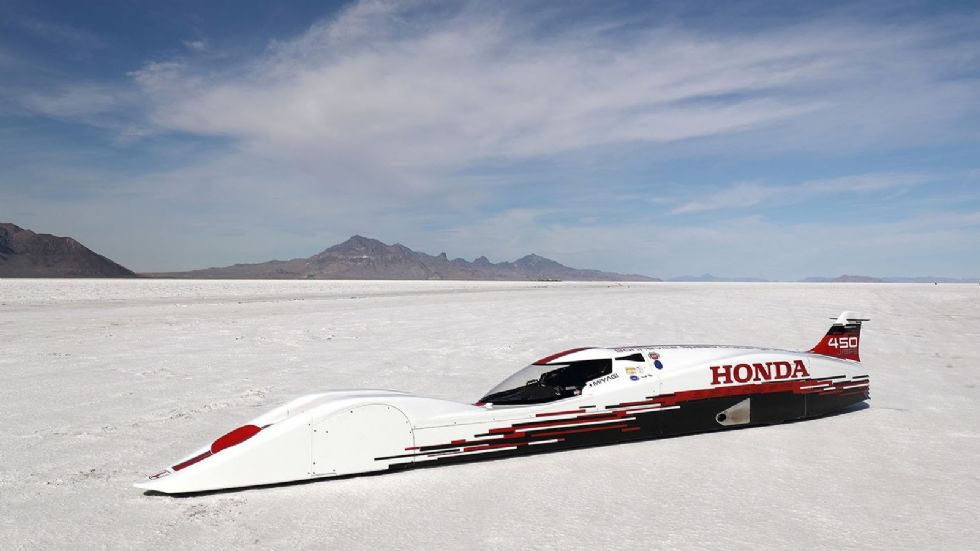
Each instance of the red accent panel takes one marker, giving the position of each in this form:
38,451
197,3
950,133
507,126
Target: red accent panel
630,429
234,437
559,355
191,461
502,430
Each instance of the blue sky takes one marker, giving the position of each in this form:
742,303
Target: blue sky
773,140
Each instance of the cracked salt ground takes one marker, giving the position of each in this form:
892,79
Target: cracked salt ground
80,426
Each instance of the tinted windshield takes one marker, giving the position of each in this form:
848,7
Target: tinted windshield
536,384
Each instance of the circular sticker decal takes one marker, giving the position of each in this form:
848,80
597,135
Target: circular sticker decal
654,356
658,365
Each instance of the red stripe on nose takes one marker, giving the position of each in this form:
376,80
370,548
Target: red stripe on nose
234,437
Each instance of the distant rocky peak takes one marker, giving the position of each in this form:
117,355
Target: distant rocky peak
535,261
356,245
24,253
360,242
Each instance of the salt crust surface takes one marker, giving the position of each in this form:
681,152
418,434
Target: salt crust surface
103,381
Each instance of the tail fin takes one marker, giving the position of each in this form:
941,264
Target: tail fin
843,339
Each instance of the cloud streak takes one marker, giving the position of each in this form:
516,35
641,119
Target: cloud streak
71,35
744,195
388,87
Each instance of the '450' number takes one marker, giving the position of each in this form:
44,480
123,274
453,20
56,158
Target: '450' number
843,342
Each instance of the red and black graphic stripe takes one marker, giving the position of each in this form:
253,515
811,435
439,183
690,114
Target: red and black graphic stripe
653,417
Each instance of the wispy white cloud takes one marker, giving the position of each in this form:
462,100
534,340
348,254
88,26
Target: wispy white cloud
93,104
473,86
388,91
199,45
80,100
71,35
744,195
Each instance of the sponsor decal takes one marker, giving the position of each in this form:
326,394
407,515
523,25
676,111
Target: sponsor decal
756,372
601,380
634,378
654,356
631,371
158,475
657,364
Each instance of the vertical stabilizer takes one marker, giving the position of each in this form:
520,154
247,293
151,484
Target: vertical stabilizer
843,339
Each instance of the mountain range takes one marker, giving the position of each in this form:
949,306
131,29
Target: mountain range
364,258
24,253
844,279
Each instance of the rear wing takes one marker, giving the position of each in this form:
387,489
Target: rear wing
843,339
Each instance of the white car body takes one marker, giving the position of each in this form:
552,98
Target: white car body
640,392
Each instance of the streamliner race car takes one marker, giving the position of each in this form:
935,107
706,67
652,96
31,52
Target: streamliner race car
579,397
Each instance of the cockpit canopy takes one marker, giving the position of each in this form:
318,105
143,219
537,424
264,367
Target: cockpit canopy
537,384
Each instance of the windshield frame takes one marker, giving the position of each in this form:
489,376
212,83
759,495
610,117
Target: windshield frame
539,384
